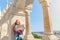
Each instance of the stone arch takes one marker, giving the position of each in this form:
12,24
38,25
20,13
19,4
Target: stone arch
22,21
47,22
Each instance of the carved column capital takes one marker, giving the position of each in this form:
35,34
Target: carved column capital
45,2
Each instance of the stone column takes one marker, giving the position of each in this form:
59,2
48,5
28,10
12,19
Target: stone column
48,30
9,23
28,35
9,29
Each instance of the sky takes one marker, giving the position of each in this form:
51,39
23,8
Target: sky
36,17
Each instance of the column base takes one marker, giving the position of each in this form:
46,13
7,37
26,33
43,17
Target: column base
50,37
28,37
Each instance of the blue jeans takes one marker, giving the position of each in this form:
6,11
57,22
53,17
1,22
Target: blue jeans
18,36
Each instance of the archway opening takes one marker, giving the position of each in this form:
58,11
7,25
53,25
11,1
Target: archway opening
37,22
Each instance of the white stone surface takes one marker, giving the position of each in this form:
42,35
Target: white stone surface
49,37
4,30
55,14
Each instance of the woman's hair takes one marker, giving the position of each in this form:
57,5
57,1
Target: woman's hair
16,22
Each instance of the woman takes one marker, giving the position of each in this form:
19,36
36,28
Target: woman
18,30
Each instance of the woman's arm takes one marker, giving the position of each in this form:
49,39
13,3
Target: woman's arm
15,30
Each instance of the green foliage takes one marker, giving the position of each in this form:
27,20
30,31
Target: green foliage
36,36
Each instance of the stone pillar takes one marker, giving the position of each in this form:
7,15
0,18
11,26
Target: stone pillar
48,30
7,35
9,23
9,29
28,35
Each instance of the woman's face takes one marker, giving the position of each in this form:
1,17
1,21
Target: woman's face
18,22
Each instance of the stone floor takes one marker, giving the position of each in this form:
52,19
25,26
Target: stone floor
38,39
